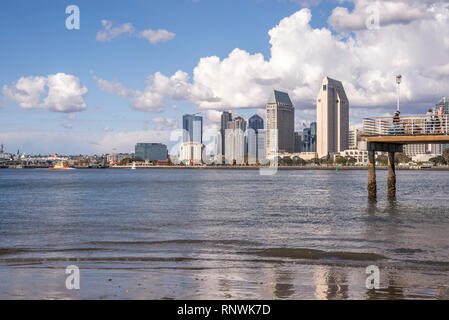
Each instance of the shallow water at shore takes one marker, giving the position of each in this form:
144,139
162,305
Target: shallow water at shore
206,234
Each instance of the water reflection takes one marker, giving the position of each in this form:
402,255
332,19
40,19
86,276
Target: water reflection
331,283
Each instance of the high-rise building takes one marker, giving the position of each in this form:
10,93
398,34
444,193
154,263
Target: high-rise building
353,138
306,140
255,122
332,118
225,118
193,128
255,136
280,124
444,102
312,137
235,141
298,142
151,151
191,152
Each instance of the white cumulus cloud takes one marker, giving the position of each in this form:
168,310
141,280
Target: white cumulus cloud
412,40
111,32
156,36
57,92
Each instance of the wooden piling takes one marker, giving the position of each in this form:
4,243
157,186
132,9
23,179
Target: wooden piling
372,188
391,176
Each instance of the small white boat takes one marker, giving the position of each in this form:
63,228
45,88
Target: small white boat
133,167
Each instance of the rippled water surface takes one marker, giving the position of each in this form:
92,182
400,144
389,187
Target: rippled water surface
231,234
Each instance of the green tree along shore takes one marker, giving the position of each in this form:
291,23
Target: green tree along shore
337,160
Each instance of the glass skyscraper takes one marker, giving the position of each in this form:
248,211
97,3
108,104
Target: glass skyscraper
255,122
193,128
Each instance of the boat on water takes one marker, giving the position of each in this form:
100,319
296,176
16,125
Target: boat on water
61,166
133,167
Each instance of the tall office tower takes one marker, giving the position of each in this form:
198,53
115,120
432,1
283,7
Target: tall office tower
306,140
353,141
298,142
444,102
193,128
255,136
280,124
255,122
312,137
235,141
225,118
332,110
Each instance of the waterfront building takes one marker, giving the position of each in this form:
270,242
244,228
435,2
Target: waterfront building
256,145
191,152
298,141
332,118
306,140
255,137
412,150
115,158
361,156
280,124
192,126
235,141
225,118
313,130
151,151
444,102
255,122
353,138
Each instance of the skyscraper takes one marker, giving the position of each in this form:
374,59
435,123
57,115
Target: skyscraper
225,118
193,128
312,137
444,102
255,122
332,118
255,137
280,124
298,142
235,141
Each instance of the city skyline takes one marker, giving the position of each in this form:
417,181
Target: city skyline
143,70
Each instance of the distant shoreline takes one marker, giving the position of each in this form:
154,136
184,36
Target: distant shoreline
333,168
330,168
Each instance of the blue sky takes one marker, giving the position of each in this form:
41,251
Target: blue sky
36,43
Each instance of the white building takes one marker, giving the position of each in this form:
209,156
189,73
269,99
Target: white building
332,118
235,142
353,138
256,145
191,152
412,150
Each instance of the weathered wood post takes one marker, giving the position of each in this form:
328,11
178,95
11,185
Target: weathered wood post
372,188
391,176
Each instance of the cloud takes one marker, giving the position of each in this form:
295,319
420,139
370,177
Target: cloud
387,12
366,61
73,142
156,36
167,122
57,92
111,32
158,88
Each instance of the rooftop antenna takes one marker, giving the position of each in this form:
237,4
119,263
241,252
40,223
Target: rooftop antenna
398,81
